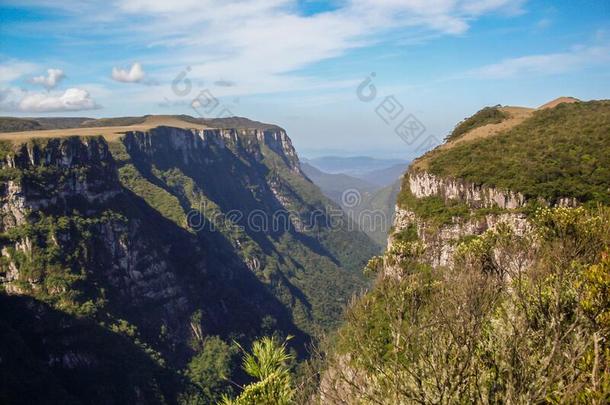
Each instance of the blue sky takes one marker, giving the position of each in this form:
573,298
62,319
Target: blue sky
299,63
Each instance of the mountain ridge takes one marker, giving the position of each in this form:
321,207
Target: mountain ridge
29,124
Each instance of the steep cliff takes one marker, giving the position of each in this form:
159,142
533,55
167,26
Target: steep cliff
168,235
553,157
445,212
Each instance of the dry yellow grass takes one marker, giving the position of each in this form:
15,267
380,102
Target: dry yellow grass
109,133
516,116
557,101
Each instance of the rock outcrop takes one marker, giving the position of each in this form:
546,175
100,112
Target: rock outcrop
441,240
488,208
424,184
58,173
192,144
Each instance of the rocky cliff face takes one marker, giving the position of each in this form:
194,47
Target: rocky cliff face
78,174
424,184
441,241
55,175
193,145
487,208
174,233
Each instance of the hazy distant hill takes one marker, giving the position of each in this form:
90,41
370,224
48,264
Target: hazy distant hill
377,191
353,166
333,185
387,176
378,205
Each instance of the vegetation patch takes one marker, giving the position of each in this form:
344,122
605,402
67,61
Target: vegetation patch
479,333
432,208
158,198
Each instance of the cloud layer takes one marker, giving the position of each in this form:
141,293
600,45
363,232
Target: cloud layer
263,46
545,64
72,99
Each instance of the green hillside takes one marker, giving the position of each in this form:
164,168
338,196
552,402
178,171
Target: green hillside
558,152
502,321
488,115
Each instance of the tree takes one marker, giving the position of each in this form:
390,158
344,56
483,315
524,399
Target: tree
210,371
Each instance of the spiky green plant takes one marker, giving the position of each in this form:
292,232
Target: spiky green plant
268,364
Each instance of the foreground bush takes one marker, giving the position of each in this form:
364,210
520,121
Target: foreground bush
519,319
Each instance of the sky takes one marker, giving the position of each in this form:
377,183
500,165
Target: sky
384,78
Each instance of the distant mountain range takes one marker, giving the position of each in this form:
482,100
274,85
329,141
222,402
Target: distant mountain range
333,185
377,182
386,176
356,166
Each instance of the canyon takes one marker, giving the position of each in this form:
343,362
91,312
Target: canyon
160,236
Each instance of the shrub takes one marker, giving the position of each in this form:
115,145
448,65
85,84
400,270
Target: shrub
210,370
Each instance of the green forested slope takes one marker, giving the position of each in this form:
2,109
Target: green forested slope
521,314
488,115
115,242
558,152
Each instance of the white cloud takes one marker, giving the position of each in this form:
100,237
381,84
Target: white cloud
544,23
72,99
51,80
545,64
16,98
134,75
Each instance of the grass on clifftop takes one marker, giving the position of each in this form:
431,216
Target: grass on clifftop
488,115
559,152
